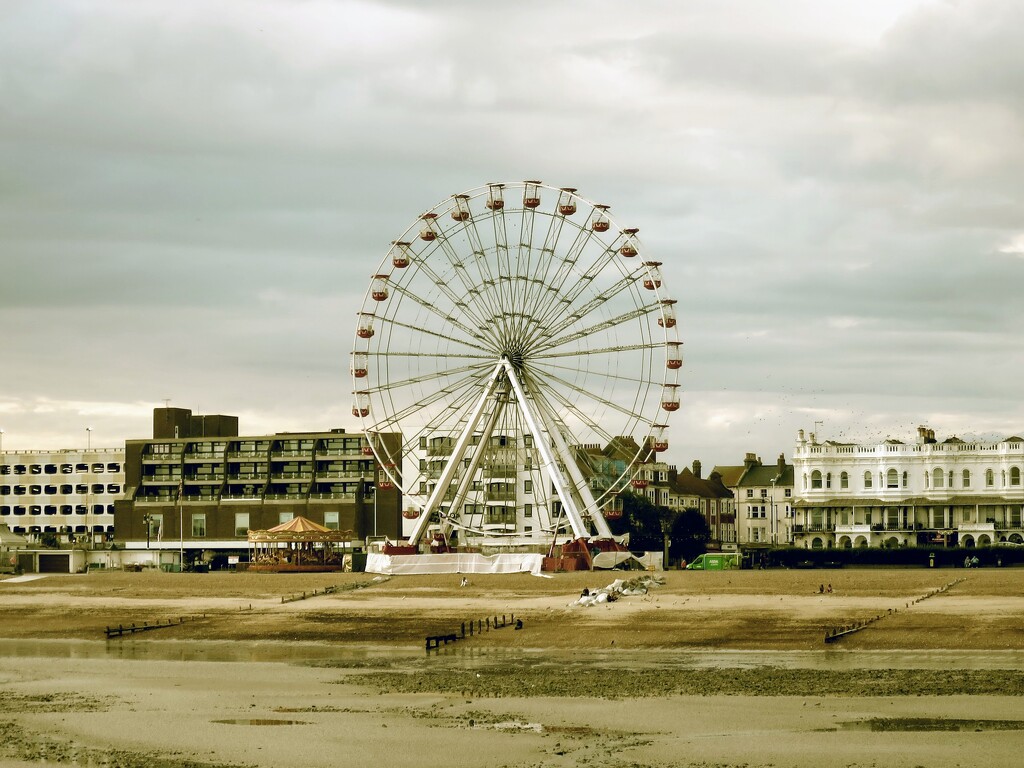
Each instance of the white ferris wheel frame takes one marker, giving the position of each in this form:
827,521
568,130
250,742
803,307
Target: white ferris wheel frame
483,399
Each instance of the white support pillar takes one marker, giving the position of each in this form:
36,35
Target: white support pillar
550,463
453,461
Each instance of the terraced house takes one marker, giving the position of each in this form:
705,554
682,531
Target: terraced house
951,493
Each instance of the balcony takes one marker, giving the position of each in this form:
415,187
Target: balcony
500,496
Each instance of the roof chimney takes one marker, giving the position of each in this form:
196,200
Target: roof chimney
696,468
751,460
782,463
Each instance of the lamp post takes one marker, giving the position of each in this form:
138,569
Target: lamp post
147,520
88,438
771,511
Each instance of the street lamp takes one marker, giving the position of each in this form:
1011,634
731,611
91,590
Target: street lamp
771,507
147,520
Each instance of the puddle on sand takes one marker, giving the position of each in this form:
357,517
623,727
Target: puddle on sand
929,724
260,721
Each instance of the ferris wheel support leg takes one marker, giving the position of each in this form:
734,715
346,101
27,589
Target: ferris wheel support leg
550,464
462,493
586,497
444,481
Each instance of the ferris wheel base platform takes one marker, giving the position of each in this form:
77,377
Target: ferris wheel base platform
456,562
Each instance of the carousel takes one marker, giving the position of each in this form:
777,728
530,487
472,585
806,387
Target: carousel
298,546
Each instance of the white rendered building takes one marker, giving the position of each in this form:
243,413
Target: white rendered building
67,493
896,494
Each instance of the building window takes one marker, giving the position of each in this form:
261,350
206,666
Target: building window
867,479
892,479
844,480
750,493
527,510
284,517
527,486
788,493
815,479
198,525
156,526
828,480
906,478
990,478
967,478
332,520
241,523
938,478
1014,475
764,493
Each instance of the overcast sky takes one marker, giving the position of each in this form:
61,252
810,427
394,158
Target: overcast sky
194,194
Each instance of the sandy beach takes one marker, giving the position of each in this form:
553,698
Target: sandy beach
708,669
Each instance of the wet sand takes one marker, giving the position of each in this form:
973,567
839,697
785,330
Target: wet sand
676,677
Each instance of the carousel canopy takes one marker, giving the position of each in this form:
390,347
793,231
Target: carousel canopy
300,529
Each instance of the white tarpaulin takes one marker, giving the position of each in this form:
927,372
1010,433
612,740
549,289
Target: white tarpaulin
399,565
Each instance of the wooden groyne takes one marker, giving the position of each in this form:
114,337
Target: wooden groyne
476,627
836,633
121,630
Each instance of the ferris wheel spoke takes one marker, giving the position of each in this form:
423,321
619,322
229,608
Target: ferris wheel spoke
550,413
588,273
431,355
604,325
416,330
554,368
610,404
614,350
447,318
553,280
595,303
461,392
469,286
439,374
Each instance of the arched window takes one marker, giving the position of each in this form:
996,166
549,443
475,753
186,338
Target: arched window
938,478
906,479
1014,475
990,478
967,478
828,480
867,479
844,480
892,479
815,479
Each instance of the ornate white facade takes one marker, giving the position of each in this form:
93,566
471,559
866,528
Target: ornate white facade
895,494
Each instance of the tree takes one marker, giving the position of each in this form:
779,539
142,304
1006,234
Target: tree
690,534
643,521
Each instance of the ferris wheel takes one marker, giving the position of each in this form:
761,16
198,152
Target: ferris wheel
525,350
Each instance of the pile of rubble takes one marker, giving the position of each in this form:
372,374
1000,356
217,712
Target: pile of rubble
637,587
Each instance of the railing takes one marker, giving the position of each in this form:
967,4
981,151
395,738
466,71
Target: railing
500,496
